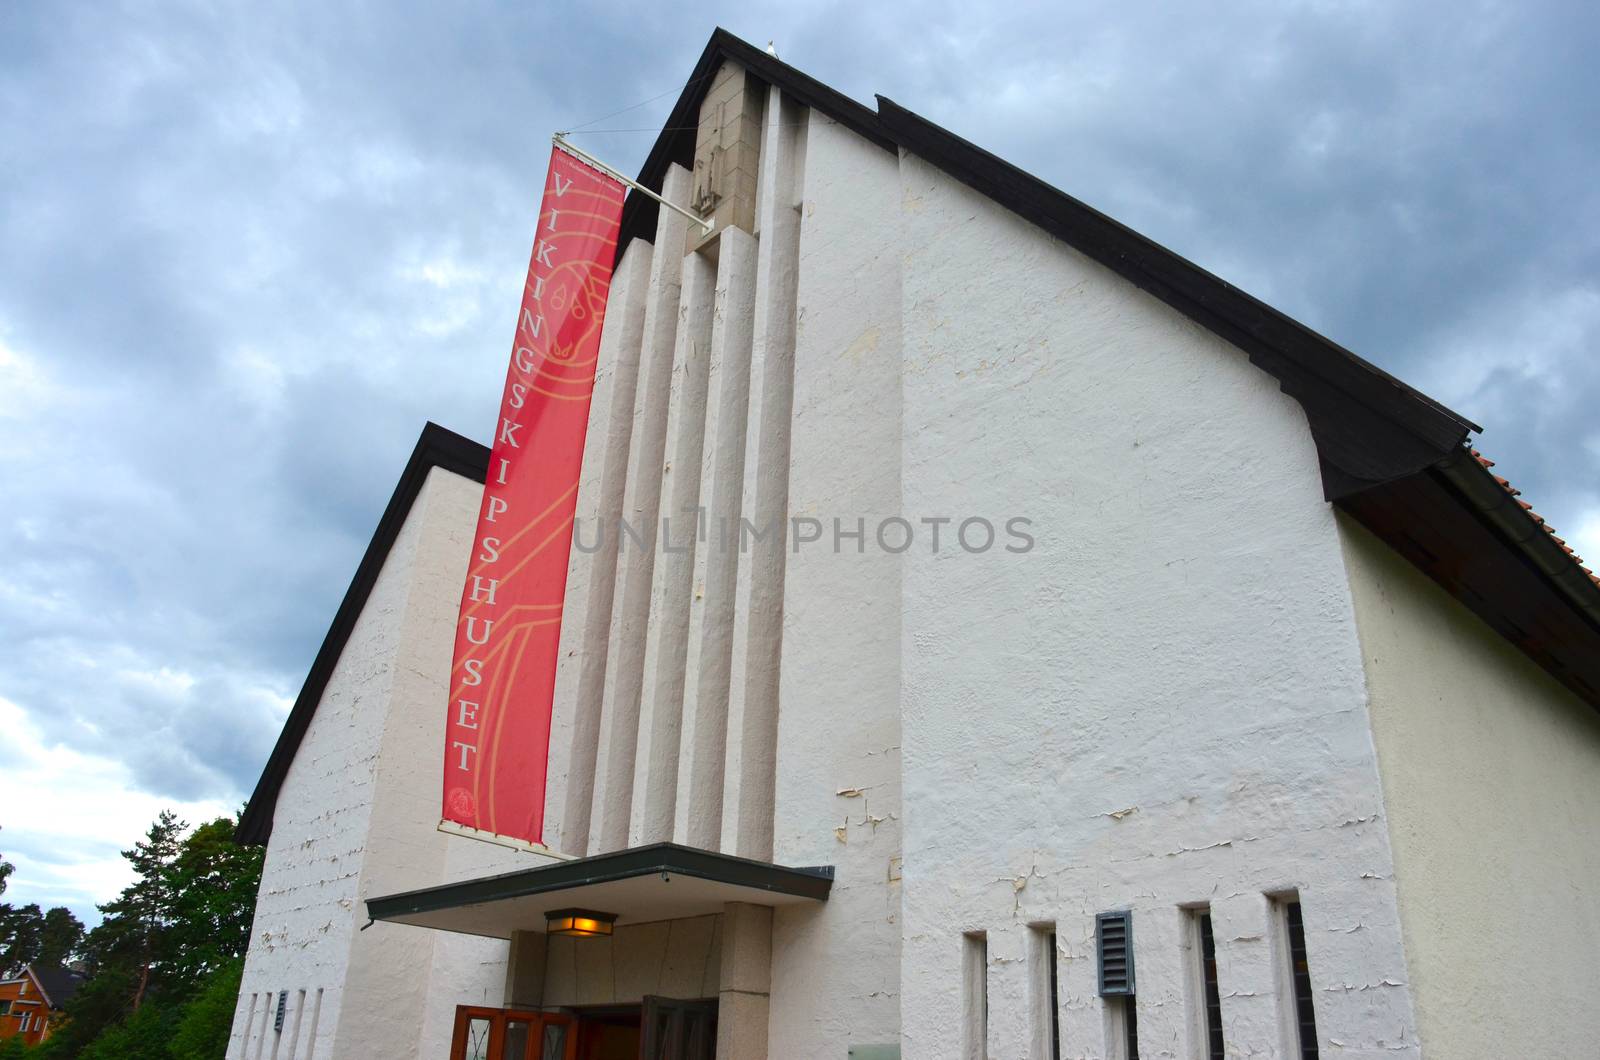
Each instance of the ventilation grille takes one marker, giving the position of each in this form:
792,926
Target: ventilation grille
1113,936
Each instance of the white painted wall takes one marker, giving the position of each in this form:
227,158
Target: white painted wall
1163,702
836,968
356,818
306,909
1490,773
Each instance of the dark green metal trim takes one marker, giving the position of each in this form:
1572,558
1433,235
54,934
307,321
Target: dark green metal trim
659,858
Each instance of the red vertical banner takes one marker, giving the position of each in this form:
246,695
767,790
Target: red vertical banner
497,736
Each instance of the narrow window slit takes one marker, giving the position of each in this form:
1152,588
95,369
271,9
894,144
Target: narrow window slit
1215,1047
1305,1018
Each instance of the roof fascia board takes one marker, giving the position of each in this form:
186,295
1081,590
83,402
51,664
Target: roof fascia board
38,984
1475,486
1442,531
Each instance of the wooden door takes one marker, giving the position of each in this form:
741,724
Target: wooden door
679,1030
511,1034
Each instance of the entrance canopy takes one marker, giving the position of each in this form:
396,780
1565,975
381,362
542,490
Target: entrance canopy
663,881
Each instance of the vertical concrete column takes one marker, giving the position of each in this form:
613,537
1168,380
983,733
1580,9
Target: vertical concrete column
613,796
591,573
655,785
525,966
1083,1032
698,817
758,623
1159,952
244,1016
1248,975
744,999
839,742
1010,1033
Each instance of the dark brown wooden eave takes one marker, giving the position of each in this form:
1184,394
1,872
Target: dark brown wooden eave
1458,526
436,447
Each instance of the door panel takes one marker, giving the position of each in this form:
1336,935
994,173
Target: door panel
518,1033
614,1034
675,1029
511,1034
558,1042
478,1032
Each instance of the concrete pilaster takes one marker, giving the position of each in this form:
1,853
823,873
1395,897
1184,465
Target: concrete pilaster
525,966
727,155
744,998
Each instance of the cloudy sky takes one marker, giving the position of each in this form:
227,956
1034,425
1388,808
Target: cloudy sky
247,249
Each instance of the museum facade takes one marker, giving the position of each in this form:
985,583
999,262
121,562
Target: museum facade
1263,723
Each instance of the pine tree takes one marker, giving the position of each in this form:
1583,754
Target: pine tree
212,884
7,921
60,937
131,933
21,930
168,943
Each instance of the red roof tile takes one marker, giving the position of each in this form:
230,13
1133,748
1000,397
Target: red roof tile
1536,517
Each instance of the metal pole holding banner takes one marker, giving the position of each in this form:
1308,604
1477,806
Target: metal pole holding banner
560,140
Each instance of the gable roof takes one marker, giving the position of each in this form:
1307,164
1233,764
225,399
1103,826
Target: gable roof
437,447
58,985
1391,457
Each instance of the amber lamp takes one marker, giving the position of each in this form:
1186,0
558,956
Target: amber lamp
579,923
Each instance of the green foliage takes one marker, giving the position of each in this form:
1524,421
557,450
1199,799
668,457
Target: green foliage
28,936
131,933
207,1021
21,930
142,1036
212,886
100,1004
60,937
168,955
14,1049
7,921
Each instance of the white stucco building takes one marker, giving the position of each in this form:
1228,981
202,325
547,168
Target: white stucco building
1272,669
